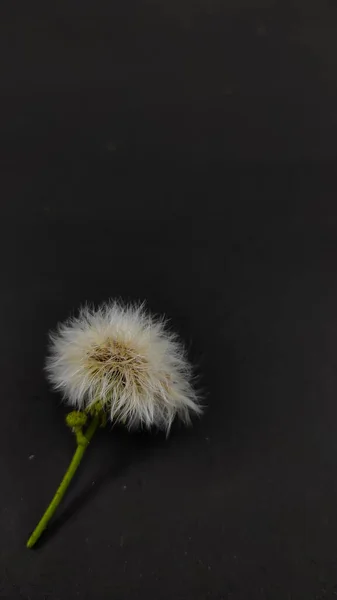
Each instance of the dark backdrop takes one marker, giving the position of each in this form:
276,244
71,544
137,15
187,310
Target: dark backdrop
183,153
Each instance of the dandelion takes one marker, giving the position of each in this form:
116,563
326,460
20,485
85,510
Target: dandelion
118,364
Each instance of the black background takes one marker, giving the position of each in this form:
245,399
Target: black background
183,153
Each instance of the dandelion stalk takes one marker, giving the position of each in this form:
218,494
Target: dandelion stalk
76,420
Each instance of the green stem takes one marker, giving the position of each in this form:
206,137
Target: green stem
81,448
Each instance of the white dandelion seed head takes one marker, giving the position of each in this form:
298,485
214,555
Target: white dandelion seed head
128,360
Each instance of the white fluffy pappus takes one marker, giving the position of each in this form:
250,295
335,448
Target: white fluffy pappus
129,361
